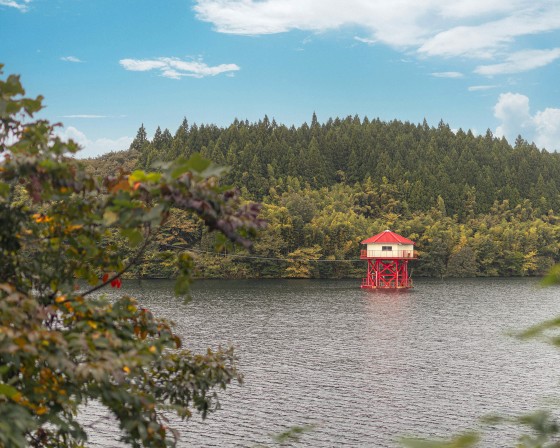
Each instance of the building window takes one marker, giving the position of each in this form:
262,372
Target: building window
387,248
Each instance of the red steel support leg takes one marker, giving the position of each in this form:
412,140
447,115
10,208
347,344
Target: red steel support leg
387,274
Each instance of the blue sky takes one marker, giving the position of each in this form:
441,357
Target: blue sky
105,67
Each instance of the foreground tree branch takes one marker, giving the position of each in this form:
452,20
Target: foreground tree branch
58,224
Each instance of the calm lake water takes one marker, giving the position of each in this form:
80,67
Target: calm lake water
365,368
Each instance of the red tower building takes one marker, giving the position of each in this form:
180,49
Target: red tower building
387,255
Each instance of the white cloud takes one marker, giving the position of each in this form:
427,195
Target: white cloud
520,61
139,65
460,28
365,40
394,21
513,111
175,68
464,9
489,38
85,116
92,116
70,59
481,87
18,4
447,74
547,123
170,73
93,148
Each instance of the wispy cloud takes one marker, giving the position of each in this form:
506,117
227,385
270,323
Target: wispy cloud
490,38
481,87
471,29
543,127
84,116
175,68
22,5
520,61
92,116
70,59
365,40
447,74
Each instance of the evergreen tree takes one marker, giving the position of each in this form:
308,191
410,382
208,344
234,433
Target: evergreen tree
462,263
140,140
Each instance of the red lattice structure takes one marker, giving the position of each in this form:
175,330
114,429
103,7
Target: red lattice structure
387,256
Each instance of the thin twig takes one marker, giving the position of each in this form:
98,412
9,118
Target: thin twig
126,268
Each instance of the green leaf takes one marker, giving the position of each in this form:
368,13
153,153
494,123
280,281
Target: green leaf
134,236
539,329
154,215
198,163
214,170
292,434
179,167
182,285
4,190
553,276
8,391
154,177
466,440
137,176
142,176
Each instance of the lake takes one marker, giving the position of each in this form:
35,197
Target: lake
364,367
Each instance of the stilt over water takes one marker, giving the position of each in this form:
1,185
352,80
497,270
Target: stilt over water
387,255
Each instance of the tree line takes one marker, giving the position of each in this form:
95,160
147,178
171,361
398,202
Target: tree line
475,205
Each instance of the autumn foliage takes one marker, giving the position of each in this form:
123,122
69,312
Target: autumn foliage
61,345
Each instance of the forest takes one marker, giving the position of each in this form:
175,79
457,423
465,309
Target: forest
474,204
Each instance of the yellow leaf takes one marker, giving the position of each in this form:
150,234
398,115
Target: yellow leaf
126,369
39,217
110,217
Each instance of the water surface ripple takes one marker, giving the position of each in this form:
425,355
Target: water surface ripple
365,368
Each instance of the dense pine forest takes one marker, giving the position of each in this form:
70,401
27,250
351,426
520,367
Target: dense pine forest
475,205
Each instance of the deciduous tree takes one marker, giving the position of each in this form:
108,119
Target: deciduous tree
62,346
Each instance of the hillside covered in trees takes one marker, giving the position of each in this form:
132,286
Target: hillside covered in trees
475,205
